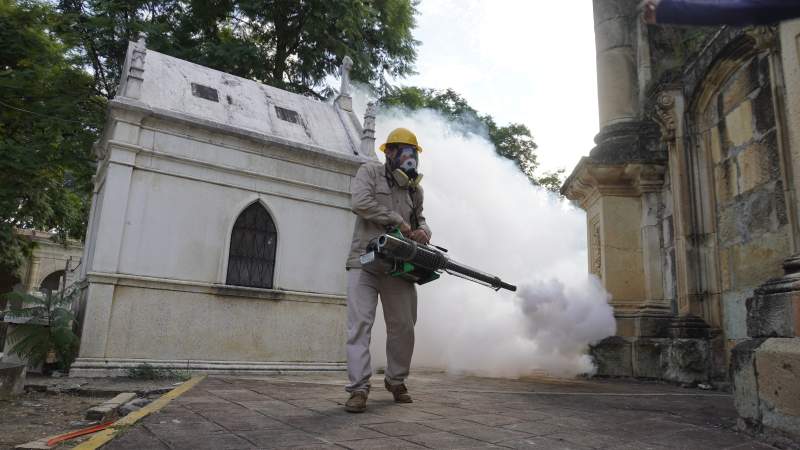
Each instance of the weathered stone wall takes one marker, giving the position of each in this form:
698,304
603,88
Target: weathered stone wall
211,326
686,223
712,281
738,130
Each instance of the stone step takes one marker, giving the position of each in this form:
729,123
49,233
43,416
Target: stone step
108,409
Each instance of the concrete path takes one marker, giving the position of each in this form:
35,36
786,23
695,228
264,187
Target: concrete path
448,412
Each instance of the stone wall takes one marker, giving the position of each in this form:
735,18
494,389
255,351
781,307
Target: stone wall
208,328
685,224
738,130
709,289
765,367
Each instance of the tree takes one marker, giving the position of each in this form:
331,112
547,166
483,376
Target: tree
52,107
291,44
49,119
513,141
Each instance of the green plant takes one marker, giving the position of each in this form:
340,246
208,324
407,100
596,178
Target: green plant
44,325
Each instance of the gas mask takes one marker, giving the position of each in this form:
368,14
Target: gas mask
404,166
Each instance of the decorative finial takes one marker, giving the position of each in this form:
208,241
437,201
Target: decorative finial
131,84
368,131
371,111
139,50
347,64
141,40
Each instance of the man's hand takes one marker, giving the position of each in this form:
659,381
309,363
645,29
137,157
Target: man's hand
420,236
405,229
648,8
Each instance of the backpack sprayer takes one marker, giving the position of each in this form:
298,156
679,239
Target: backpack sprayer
392,253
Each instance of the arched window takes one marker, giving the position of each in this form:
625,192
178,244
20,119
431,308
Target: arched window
52,282
251,260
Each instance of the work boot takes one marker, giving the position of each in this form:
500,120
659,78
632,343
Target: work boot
399,392
357,403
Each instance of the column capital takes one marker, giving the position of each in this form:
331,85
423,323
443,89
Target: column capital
591,180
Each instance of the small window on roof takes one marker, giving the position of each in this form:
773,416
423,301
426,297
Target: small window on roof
287,115
206,92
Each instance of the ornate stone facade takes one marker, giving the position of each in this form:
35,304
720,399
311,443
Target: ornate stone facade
51,265
692,208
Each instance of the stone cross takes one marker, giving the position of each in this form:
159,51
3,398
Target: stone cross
347,65
344,100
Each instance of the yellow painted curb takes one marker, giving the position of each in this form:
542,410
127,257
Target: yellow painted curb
103,437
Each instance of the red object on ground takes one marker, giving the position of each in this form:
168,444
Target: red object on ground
76,433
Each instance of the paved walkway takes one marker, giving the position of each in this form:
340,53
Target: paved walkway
448,412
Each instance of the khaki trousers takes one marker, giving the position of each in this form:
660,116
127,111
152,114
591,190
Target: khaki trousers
399,301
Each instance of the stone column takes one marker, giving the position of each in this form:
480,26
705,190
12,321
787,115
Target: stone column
615,27
624,245
619,185
33,275
625,250
789,34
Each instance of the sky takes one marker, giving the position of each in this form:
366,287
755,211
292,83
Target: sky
528,61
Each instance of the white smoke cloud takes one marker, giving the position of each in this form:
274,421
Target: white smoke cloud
490,217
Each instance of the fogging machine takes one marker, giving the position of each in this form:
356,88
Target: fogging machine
400,257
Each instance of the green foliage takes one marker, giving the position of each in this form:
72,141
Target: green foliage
552,181
513,141
60,62
49,119
148,372
48,327
291,44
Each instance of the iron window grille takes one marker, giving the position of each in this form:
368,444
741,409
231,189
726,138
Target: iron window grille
251,260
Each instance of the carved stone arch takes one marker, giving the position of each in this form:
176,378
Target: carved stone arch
52,282
719,88
721,59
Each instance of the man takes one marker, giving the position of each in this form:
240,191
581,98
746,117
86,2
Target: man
384,197
719,12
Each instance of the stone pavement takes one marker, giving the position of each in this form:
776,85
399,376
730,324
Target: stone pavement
306,411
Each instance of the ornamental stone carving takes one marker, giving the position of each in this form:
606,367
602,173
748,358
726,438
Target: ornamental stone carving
591,180
764,37
596,263
665,116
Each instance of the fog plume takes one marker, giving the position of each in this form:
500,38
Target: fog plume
489,216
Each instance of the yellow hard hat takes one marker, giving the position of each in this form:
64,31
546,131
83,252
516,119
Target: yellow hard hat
401,136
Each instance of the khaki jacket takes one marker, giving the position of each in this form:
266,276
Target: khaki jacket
380,206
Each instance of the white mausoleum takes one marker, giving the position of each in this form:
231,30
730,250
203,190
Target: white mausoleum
220,223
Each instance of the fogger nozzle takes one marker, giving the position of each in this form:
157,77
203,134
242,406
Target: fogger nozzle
425,262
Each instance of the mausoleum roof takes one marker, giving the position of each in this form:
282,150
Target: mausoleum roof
195,91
